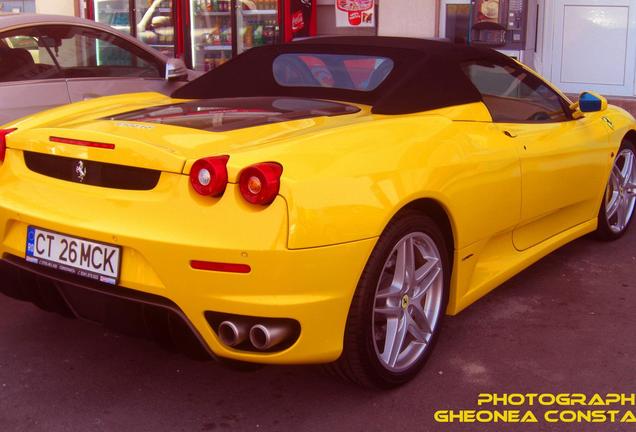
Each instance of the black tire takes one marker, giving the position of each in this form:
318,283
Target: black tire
360,362
607,230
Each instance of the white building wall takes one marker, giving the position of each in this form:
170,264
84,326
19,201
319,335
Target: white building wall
57,7
412,18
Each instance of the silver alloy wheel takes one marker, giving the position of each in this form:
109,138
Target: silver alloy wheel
620,195
408,302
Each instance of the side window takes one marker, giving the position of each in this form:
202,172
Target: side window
46,52
513,95
22,59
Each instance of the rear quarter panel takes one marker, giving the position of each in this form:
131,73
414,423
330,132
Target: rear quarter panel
346,183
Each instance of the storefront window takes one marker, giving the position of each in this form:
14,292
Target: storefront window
17,6
114,13
155,25
153,19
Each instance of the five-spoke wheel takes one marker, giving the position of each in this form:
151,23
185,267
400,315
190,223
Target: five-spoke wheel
399,304
620,195
408,301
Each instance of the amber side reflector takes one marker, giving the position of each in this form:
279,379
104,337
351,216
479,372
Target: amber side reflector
82,143
220,267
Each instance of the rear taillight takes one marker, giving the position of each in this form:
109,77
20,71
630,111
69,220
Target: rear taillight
260,183
208,176
3,142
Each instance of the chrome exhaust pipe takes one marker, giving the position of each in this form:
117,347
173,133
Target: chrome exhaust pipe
233,334
264,337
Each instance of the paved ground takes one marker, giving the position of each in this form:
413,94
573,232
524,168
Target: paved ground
567,324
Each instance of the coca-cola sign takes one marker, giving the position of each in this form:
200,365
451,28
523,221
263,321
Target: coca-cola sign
298,21
355,13
300,18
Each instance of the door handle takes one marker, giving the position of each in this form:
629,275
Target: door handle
510,134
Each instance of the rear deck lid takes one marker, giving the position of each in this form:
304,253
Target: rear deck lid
164,137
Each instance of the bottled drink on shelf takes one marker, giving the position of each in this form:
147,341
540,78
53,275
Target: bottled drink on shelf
212,60
223,58
269,32
248,38
226,35
258,35
208,62
214,37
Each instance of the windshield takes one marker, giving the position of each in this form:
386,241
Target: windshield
339,71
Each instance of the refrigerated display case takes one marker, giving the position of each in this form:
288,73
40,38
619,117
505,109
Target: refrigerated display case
207,33
257,23
210,33
154,20
222,29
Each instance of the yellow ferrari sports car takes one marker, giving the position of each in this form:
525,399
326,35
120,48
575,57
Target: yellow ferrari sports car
326,201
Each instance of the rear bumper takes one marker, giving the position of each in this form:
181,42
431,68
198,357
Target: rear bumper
319,303
131,312
163,230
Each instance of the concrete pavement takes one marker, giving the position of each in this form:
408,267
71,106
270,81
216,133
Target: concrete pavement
567,324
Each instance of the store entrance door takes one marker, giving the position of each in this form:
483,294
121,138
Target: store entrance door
594,45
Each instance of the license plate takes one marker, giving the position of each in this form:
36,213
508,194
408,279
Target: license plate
86,258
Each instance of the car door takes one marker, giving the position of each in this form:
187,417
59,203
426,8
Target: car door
98,63
24,79
564,161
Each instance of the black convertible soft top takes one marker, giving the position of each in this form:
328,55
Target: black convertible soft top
427,74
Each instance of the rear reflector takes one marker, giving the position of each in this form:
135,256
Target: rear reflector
220,267
3,142
82,143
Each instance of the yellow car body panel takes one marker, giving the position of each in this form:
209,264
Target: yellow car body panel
344,179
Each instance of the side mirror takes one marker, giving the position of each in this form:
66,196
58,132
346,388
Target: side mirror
591,102
176,69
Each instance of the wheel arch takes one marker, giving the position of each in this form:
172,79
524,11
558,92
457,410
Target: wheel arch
630,137
440,214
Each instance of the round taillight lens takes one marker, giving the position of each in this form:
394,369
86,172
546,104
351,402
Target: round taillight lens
3,142
208,176
260,183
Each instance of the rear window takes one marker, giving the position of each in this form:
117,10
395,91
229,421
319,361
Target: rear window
340,71
218,115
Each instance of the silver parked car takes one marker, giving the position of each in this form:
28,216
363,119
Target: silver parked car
50,60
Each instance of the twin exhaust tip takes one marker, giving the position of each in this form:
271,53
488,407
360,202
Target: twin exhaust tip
261,336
